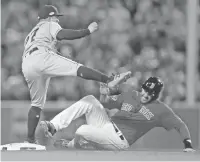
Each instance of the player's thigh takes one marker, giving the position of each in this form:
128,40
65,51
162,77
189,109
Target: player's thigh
95,136
56,65
98,116
38,89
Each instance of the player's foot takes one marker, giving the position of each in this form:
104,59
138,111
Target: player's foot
118,79
61,143
33,141
49,129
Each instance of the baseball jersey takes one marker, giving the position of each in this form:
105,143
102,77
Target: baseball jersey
42,35
125,101
140,118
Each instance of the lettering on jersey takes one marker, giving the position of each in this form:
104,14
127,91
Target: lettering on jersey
127,107
31,36
146,112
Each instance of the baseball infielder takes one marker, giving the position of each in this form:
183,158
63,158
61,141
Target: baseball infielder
136,114
40,62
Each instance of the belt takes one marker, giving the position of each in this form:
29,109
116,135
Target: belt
117,131
31,51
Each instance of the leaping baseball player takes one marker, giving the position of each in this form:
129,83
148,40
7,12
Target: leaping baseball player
41,62
135,115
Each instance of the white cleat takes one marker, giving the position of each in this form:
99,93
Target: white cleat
120,78
61,143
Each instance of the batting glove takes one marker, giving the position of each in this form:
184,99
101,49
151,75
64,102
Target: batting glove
93,27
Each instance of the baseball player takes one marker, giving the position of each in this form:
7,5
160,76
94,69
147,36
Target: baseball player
136,114
41,61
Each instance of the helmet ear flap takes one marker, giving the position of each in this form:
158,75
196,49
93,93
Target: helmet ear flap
154,96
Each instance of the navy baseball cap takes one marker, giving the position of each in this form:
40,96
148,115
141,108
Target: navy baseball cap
48,11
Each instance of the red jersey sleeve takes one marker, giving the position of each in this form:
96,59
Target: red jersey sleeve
170,120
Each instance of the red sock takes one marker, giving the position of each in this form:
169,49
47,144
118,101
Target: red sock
91,74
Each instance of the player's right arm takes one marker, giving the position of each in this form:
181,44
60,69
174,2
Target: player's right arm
70,34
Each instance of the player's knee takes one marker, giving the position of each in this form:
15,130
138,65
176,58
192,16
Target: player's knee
94,103
82,131
91,99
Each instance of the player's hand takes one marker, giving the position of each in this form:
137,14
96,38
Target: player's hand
104,90
93,27
188,150
112,112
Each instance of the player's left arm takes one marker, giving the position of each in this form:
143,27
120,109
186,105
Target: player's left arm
122,88
111,112
104,94
171,121
104,90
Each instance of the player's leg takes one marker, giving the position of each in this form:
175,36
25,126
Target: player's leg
61,66
38,86
92,138
88,106
38,90
64,118
99,128
76,143
109,137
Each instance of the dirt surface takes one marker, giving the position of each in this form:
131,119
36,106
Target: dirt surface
69,155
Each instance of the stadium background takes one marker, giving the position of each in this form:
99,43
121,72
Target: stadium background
148,37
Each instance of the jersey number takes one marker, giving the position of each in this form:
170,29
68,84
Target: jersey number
32,35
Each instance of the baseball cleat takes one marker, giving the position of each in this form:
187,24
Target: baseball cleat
49,129
33,141
61,143
120,78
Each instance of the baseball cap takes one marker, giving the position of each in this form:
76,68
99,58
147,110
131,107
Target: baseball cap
48,11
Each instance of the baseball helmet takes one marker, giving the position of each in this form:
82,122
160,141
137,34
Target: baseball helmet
153,86
48,11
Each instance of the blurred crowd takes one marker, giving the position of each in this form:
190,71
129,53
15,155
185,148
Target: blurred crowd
147,37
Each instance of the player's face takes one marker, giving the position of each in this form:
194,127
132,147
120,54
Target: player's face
145,97
55,19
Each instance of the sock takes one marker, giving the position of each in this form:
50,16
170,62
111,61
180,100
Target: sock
91,74
33,119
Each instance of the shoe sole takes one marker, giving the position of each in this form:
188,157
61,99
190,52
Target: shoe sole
44,125
37,143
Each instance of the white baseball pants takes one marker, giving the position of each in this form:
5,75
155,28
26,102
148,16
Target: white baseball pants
99,129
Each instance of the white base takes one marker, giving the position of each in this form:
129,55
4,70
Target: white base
21,146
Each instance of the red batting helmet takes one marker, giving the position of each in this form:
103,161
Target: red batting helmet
153,86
